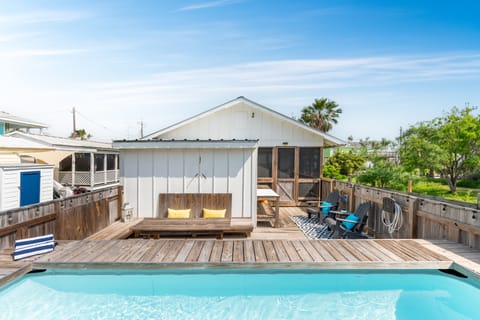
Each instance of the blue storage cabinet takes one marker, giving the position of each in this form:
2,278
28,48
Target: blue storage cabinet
25,184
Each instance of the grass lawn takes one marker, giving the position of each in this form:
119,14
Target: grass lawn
440,189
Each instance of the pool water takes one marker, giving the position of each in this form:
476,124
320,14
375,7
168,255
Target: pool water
222,294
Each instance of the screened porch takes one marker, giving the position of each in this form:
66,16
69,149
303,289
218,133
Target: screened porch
89,170
292,172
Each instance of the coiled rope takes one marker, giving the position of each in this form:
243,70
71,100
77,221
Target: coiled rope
393,221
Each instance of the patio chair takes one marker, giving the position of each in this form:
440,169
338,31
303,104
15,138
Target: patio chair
350,227
331,203
32,246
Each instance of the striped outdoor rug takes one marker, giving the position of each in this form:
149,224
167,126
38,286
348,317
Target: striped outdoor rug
312,228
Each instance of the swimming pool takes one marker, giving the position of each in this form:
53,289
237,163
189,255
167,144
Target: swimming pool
250,294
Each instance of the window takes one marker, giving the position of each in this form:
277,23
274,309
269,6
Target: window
65,164
82,161
286,163
99,162
110,162
309,163
264,162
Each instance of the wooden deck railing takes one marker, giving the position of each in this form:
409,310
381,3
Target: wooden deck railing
72,218
423,218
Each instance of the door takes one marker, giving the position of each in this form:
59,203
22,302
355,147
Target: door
29,187
286,175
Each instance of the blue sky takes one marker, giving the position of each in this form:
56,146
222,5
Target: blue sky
388,64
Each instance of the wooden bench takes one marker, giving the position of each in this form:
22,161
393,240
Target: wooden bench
196,224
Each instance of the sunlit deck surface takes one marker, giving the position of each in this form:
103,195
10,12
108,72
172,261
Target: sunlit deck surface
273,248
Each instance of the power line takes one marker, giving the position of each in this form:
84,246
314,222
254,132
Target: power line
94,122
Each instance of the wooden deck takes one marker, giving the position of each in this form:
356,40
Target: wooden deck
196,253
117,230
283,247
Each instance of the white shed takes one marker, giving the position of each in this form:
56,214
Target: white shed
25,184
151,167
289,152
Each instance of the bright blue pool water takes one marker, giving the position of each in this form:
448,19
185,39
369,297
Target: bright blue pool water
217,294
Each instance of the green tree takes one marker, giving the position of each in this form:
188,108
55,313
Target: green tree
322,114
381,174
347,163
80,133
418,153
449,144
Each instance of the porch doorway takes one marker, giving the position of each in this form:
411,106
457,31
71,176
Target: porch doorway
293,172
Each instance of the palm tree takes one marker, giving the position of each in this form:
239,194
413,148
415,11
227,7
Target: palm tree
81,134
321,114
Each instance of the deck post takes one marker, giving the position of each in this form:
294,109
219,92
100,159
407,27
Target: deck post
412,217
92,170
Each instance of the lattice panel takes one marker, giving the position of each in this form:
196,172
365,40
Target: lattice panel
82,178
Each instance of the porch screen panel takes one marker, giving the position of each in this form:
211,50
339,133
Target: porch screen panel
309,167
264,162
66,164
286,163
82,161
111,162
99,162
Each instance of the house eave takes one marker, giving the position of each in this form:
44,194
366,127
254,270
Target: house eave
185,144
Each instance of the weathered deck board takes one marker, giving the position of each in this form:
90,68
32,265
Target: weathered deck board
117,230
205,253
311,253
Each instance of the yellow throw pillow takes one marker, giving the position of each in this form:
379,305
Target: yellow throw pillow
214,214
178,214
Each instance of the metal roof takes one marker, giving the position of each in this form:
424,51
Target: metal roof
185,144
65,143
21,122
18,144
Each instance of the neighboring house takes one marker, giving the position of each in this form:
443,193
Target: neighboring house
9,123
78,163
225,149
22,183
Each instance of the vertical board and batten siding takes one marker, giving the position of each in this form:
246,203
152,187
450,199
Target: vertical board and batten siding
148,172
10,184
237,122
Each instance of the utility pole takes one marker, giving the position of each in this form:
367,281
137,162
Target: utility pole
141,128
74,121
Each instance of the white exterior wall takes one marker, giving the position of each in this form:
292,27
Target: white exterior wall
145,173
237,122
9,158
10,184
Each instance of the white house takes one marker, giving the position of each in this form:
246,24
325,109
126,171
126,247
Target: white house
22,183
229,148
78,163
289,152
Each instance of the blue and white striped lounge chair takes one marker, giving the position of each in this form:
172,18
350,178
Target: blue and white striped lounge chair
32,246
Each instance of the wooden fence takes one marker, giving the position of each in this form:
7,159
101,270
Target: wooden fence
423,218
72,218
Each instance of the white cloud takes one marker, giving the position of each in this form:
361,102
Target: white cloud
41,17
304,74
363,86
207,5
12,54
